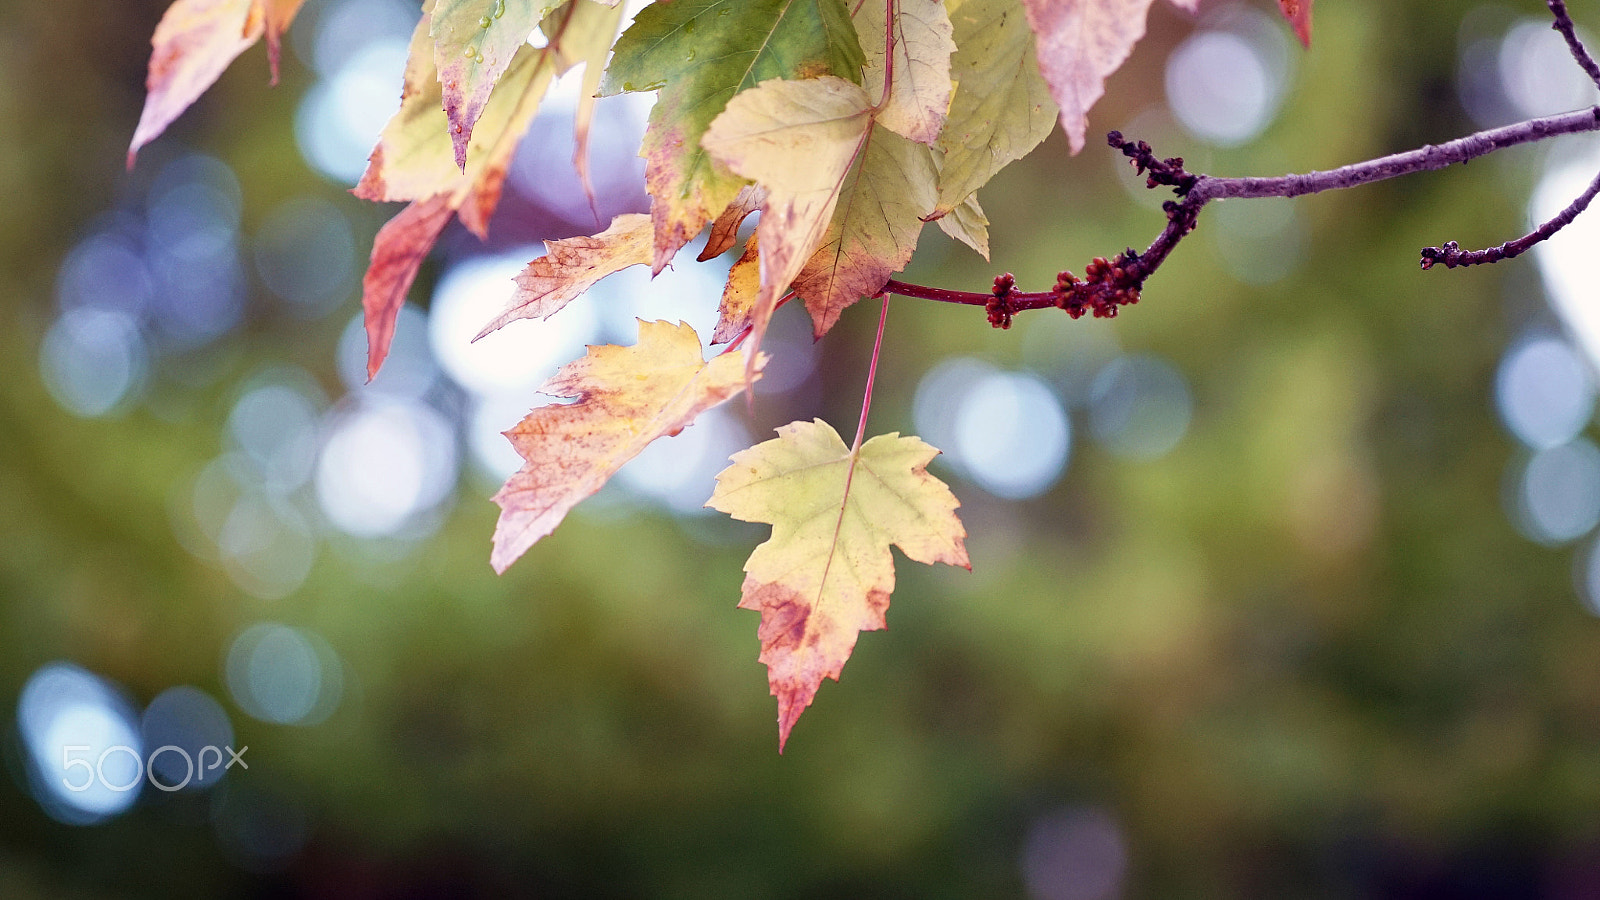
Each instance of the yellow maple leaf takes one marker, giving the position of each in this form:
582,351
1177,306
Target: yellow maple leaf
797,139
826,573
919,81
626,398
1001,108
571,266
739,295
874,229
415,157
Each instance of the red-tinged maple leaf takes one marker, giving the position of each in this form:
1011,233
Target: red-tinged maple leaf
193,44
397,252
571,266
826,573
626,398
415,156
1080,43
1298,12
874,229
797,139
724,231
739,295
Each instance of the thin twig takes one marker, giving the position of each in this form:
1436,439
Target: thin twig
1563,24
1451,255
1423,159
1118,281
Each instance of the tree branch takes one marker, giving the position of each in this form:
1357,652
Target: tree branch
1110,284
1451,255
1563,24
1423,159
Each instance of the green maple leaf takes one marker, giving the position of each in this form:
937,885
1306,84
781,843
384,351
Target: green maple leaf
700,53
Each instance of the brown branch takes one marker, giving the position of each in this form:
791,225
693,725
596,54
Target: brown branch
1422,159
1113,283
1451,255
1563,24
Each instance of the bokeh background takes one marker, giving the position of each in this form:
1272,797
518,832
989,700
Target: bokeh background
1283,582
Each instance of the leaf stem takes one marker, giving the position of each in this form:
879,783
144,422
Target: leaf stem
872,376
890,7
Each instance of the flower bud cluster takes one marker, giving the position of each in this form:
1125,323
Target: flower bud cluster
1107,285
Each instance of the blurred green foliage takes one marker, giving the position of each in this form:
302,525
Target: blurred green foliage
1303,654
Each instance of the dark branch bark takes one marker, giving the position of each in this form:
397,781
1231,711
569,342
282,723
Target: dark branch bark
1423,159
1113,283
1451,255
1563,24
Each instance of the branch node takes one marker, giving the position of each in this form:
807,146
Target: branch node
999,306
1169,171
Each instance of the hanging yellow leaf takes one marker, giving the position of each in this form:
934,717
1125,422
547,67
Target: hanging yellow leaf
626,398
826,573
919,81
571,266
874,229
967,224
797,139
1001,108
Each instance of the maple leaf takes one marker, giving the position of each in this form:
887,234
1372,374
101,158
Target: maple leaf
725,230
193,44
276,16
594,67
571,266
874,229
893,185
967,224
414,159
1080,43
473,45
739,295
397,252
797,139
626,398
919,81
700,54
1001,109
1298,12
826,572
